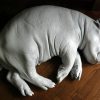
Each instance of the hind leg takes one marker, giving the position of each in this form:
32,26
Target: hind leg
33,77
18,82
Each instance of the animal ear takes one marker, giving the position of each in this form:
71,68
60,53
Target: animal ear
97,22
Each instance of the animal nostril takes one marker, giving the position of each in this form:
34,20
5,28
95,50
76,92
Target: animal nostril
98,57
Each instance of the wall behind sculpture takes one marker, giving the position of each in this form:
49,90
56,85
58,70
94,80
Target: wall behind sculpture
9,8
96,5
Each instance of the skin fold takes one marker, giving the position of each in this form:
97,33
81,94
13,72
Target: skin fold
37,34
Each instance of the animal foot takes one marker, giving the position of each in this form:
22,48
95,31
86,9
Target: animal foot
43,82
76,72
62,73
19,83
25,90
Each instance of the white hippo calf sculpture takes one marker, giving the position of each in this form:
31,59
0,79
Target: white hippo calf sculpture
37,34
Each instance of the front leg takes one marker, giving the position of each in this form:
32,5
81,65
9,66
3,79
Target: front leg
68,55
76,71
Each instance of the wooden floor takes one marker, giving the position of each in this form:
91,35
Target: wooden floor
88,88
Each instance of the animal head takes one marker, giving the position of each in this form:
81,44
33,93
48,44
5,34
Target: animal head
92,47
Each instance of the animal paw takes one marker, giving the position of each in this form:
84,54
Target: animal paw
62,73
19,83
76,72
25,90
43,82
